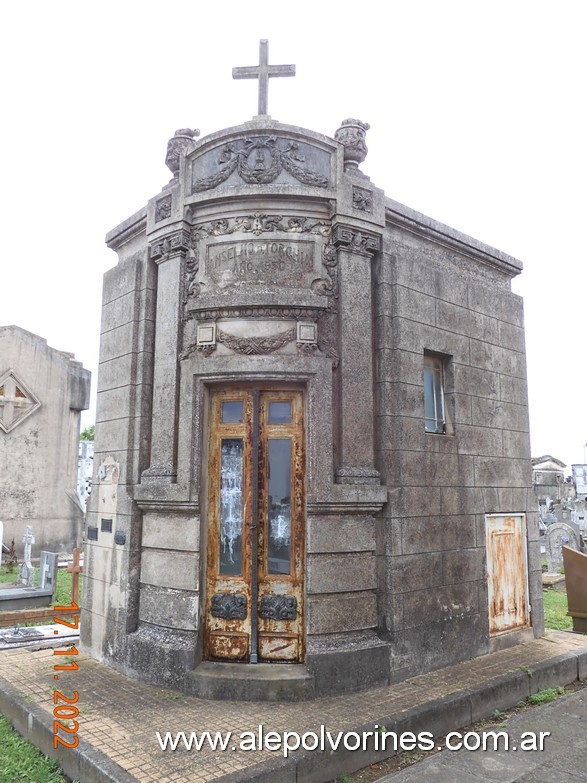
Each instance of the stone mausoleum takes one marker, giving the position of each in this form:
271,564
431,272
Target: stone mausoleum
312,467
42,393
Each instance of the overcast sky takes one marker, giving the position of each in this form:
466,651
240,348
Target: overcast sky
477,114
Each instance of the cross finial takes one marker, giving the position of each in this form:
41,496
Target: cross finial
262,72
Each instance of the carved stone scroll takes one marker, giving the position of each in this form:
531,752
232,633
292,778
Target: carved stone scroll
259,223
328,286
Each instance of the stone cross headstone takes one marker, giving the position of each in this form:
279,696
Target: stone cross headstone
559,534
48,571
580,516
27,572
262,72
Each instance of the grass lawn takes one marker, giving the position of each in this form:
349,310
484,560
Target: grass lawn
555,610
63,592
21,762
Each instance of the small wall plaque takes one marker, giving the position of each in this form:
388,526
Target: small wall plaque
106,526
119,537
92,533
307,332
206,334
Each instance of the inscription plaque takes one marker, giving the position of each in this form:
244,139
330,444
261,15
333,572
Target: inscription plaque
260,261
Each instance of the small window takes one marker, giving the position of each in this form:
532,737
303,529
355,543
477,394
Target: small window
434,411
280,412
232,412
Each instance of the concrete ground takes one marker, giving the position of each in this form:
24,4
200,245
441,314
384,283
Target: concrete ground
119,717
563,759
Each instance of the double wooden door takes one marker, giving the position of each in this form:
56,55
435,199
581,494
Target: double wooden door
256,526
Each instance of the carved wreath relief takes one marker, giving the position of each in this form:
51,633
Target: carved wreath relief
259,161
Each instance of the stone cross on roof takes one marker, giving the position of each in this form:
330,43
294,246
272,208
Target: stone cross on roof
262,72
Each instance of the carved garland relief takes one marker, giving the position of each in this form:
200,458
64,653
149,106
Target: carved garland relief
259,224
259,161
248,346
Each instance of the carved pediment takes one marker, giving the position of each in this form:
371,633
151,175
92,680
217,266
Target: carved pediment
262,160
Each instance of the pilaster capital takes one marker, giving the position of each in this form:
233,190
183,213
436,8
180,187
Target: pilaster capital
176,243
356,240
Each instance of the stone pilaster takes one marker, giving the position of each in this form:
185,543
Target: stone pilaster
168,253
355,251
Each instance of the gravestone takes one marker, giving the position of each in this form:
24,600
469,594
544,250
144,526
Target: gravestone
563,513
559,534
48,571
26,574
25,595
1,542
42,394
576,584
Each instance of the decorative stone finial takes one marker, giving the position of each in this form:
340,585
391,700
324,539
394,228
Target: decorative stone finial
351,135
177,145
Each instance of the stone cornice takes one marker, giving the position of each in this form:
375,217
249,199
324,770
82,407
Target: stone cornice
349,499
127,230
416,223
168,506
172,498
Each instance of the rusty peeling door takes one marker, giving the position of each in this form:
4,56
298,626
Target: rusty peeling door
507,577
256,527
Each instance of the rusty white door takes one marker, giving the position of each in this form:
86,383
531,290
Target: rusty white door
507,573
256,526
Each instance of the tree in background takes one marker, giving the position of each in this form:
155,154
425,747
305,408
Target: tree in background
88,433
